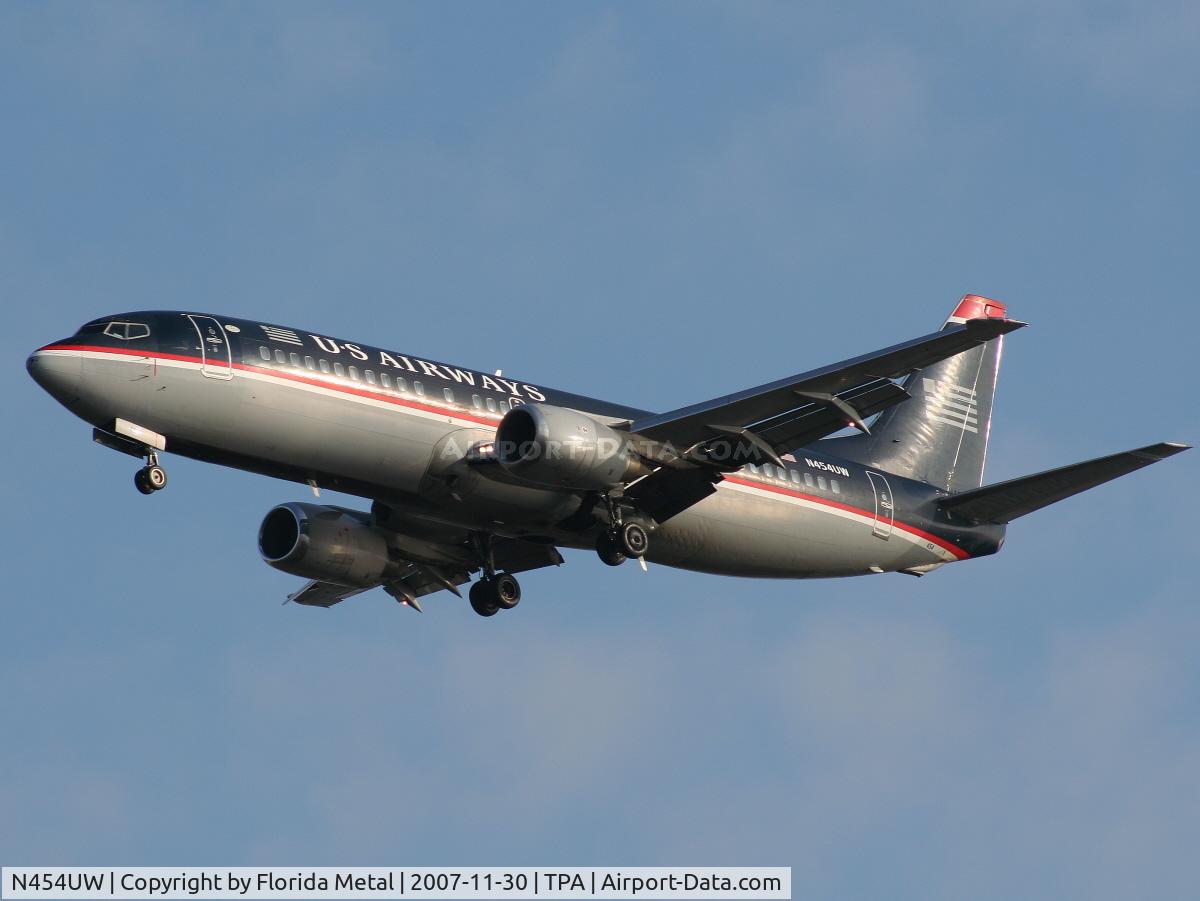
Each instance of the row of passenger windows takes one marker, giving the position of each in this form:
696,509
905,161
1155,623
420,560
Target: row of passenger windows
385,380
779,474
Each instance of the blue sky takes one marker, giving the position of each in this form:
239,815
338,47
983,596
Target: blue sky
655,204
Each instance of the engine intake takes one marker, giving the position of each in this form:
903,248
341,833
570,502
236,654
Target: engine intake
324,543
563,448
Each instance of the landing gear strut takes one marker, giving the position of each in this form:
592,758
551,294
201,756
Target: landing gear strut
151,477
495,591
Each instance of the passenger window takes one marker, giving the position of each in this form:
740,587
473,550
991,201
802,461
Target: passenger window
419,388
339,369
796,476
386,379
280,358
821,483
370,377
265,353
808,480
476,402
309,364
752,468
491,404
295,358
449,395
354,373
402,384
325,366
833,484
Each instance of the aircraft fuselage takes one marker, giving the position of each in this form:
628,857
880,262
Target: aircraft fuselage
396,428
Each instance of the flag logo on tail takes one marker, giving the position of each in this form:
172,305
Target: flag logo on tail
951,404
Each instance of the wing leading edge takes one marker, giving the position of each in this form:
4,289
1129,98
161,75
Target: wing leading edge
794,411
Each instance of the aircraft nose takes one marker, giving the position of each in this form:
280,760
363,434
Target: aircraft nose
58,372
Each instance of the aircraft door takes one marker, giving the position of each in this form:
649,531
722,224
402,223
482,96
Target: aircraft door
884,507
216,357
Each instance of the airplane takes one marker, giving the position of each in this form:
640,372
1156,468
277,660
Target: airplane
473,473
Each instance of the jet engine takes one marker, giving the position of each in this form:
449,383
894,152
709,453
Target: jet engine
562,448
325,543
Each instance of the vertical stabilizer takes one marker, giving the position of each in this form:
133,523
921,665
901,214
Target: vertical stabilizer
940,435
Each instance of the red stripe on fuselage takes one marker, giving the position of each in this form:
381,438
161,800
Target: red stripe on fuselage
292,377
455,414
824,501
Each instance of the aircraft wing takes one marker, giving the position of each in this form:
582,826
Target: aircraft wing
780,416
419,579
1005,501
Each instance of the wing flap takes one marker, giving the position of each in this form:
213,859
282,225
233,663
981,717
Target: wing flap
668,491
517,556
323,594
419,579
1005,501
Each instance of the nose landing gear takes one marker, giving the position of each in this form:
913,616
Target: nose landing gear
151,477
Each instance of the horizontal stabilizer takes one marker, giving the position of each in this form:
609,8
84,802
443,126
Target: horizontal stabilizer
1005,501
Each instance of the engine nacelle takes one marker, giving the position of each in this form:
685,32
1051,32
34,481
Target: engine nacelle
561,448
324,543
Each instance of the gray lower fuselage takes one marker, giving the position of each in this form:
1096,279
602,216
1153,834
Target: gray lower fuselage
250,401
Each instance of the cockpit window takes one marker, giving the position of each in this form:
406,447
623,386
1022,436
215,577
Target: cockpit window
127,331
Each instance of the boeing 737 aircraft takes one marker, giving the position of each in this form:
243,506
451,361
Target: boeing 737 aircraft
469,472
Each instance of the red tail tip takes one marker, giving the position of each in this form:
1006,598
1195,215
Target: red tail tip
973,306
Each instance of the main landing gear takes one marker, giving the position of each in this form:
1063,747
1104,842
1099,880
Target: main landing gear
492,594
495,591
622,541
151,477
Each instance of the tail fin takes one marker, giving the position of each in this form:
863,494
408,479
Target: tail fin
939,436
